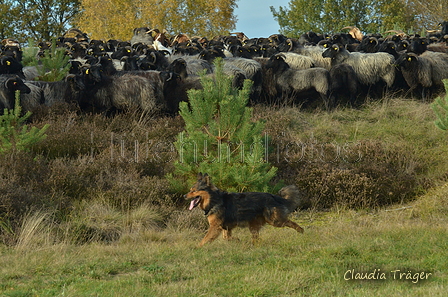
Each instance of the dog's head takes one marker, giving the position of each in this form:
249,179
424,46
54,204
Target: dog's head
200,192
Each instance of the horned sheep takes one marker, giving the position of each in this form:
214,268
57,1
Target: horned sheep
123,92
370,68
290,80
9,84
46,93
426,70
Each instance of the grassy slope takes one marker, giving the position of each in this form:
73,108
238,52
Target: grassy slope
284,263
166,262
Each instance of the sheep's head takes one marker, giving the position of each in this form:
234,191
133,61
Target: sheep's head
355,32
331,52
178,66
406,60
16,84
277,39
277,63
76,82
93,73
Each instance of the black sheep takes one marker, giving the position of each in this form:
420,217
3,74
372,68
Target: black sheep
344,83
9,84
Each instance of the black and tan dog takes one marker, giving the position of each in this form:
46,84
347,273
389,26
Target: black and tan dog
225,210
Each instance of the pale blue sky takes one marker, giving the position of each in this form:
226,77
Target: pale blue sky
255,17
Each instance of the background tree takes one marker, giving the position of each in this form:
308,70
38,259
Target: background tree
8,25
115,19
301,16
426,14
40,19
371,16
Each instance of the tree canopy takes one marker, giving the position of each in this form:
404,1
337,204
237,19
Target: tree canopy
371,16
117,18
36,19
107,19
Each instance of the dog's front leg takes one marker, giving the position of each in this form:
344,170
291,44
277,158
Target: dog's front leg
214,230
227,234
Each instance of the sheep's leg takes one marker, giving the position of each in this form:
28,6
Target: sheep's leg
327,101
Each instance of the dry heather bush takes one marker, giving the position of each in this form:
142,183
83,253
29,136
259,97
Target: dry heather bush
122,183
380,155
379,176
123,158
69,135
21,186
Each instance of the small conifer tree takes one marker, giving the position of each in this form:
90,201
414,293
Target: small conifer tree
53,65
440,107
220,137
15,135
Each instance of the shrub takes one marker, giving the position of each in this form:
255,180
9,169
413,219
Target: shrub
15,135
55,64
371,176
220,137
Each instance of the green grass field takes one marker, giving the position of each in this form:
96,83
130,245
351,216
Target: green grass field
108,227
336,248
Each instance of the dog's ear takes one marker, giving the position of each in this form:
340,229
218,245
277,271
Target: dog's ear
207,179
199,175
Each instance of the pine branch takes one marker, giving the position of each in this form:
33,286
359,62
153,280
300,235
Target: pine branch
14,133
440,108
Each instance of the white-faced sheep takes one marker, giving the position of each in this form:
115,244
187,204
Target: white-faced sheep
370,68
288,80
9,84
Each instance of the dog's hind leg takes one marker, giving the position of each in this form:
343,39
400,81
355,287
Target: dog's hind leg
278,218
254,228
293,225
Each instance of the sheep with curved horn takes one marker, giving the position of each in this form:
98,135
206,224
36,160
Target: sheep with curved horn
354,32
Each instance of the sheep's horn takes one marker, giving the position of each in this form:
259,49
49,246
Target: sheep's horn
394,31
281,56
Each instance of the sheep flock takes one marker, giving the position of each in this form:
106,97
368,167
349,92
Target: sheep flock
154,70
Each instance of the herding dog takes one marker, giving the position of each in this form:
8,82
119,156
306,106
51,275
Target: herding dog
225,210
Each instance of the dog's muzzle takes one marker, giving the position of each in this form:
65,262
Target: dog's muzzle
194,202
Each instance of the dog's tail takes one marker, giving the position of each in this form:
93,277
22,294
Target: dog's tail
293,196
